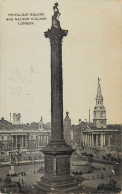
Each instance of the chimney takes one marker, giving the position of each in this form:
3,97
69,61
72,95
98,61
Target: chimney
89,115
79,121
10,117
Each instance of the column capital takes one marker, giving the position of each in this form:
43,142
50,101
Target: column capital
55,35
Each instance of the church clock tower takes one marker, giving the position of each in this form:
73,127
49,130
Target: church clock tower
99,110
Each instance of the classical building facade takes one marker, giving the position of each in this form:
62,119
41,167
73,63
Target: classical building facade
99,138
29,136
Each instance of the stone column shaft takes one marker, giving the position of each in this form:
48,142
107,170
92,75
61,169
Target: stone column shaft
90,141
109,140
12,141
25,139
41,140
87,139
56,91
22,141
104,139
96,140
101,140
15,141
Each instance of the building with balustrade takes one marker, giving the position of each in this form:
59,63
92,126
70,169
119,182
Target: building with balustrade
23,136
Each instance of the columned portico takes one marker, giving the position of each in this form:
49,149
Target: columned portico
97,138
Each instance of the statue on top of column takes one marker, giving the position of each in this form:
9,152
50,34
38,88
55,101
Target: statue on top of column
55,17
99,80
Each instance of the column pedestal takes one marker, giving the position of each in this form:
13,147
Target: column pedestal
57,168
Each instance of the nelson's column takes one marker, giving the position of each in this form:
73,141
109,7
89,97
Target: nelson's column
57,153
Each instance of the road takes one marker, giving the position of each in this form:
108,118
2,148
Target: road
91,179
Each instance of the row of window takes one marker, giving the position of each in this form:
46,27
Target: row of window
101,107
36,137
102,122
99,102
4,137
8,137
32,137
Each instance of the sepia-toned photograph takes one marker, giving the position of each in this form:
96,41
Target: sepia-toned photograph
60,96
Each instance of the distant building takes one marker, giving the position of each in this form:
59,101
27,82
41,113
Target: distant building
99,134
77,133
26,136
16,118
67,129
4,122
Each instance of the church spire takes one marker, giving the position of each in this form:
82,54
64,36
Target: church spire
99,110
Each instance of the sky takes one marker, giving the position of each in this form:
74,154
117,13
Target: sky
91,49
